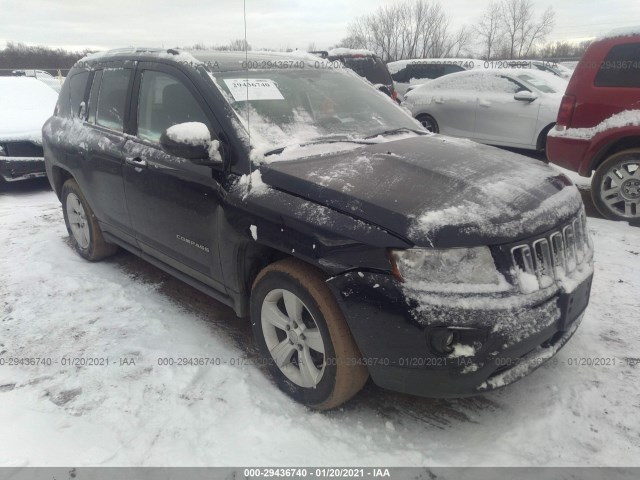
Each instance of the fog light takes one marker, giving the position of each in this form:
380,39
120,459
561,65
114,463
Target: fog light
441,340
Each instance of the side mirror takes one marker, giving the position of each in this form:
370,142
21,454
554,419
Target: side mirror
525,96
192,140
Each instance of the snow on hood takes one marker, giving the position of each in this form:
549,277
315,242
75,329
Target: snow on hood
434,190
26,104
627,118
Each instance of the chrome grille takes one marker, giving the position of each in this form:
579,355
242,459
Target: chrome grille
539,263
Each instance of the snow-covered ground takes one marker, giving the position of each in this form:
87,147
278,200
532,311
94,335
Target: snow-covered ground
54,305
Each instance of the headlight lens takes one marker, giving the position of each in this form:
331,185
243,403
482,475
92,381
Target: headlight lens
463,270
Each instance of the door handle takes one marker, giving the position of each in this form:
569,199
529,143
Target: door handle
439,100
136,162
484,103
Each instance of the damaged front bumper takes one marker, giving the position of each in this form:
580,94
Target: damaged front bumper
497,340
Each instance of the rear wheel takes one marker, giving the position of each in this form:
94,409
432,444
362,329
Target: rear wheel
429,123
615,187
82,225
303,335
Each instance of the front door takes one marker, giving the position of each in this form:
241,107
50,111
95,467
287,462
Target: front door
174,203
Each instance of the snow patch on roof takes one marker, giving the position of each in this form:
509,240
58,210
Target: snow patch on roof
621,32
627,118
335,52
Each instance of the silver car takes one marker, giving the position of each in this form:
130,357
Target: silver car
505,107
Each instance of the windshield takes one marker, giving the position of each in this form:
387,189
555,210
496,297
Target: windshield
291,107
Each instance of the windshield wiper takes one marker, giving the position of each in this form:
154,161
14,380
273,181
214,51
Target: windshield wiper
318,141
396,130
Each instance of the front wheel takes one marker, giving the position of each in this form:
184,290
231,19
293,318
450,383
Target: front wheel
82,225
429,123
615,187
303,336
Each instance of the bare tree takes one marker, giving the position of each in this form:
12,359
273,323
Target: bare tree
410,29
522,30
490,30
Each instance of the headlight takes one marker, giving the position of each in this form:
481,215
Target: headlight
461,270
3,152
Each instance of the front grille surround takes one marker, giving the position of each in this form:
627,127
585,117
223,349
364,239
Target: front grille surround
540,263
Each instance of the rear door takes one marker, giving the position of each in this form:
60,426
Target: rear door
102,140
174,203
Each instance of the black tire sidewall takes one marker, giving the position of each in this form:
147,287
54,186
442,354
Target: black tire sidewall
308,396
436,127
72,187
596,185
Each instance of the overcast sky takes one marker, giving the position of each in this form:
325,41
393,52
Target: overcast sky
77,24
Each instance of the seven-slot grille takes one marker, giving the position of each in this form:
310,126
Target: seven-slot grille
547,258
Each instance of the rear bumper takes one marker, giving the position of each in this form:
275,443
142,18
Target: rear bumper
499,343
13,169
568,153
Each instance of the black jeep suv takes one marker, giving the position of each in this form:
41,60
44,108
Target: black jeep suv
357,243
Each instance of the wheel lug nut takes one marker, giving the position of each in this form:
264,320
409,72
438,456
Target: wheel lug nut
290,342
299,347
302,337
287,328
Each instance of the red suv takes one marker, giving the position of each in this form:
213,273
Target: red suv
598,126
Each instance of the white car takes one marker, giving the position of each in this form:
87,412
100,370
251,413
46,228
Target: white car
505,107
26,103
44,77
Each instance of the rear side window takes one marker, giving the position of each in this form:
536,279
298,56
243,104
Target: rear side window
371,68
165,101
93,97
621,67
112,98
77,89
420,71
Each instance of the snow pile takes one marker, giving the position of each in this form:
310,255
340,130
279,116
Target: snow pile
627,118
25,104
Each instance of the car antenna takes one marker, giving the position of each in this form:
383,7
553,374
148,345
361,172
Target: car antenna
246,63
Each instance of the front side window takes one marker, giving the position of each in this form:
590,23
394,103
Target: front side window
165,101
621,67
112,98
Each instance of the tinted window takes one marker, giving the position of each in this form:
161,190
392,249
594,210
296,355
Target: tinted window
165,101
621,67
370,68
400,75
77,89
452,69
112,98
419,71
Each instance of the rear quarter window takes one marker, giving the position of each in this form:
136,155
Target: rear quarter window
77,91
621,67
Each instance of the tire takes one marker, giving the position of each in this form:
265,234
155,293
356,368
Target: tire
332,378
615,188
429,123
82,225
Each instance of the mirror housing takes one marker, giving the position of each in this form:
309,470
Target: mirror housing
192,140
525,96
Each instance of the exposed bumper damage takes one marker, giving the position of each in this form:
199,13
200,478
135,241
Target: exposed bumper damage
496,340
21,168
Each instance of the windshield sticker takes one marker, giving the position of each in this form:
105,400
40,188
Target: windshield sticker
258,89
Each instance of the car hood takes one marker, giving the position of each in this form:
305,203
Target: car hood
434,190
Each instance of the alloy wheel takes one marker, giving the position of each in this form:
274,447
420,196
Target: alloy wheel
78,221
293,338
620,189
